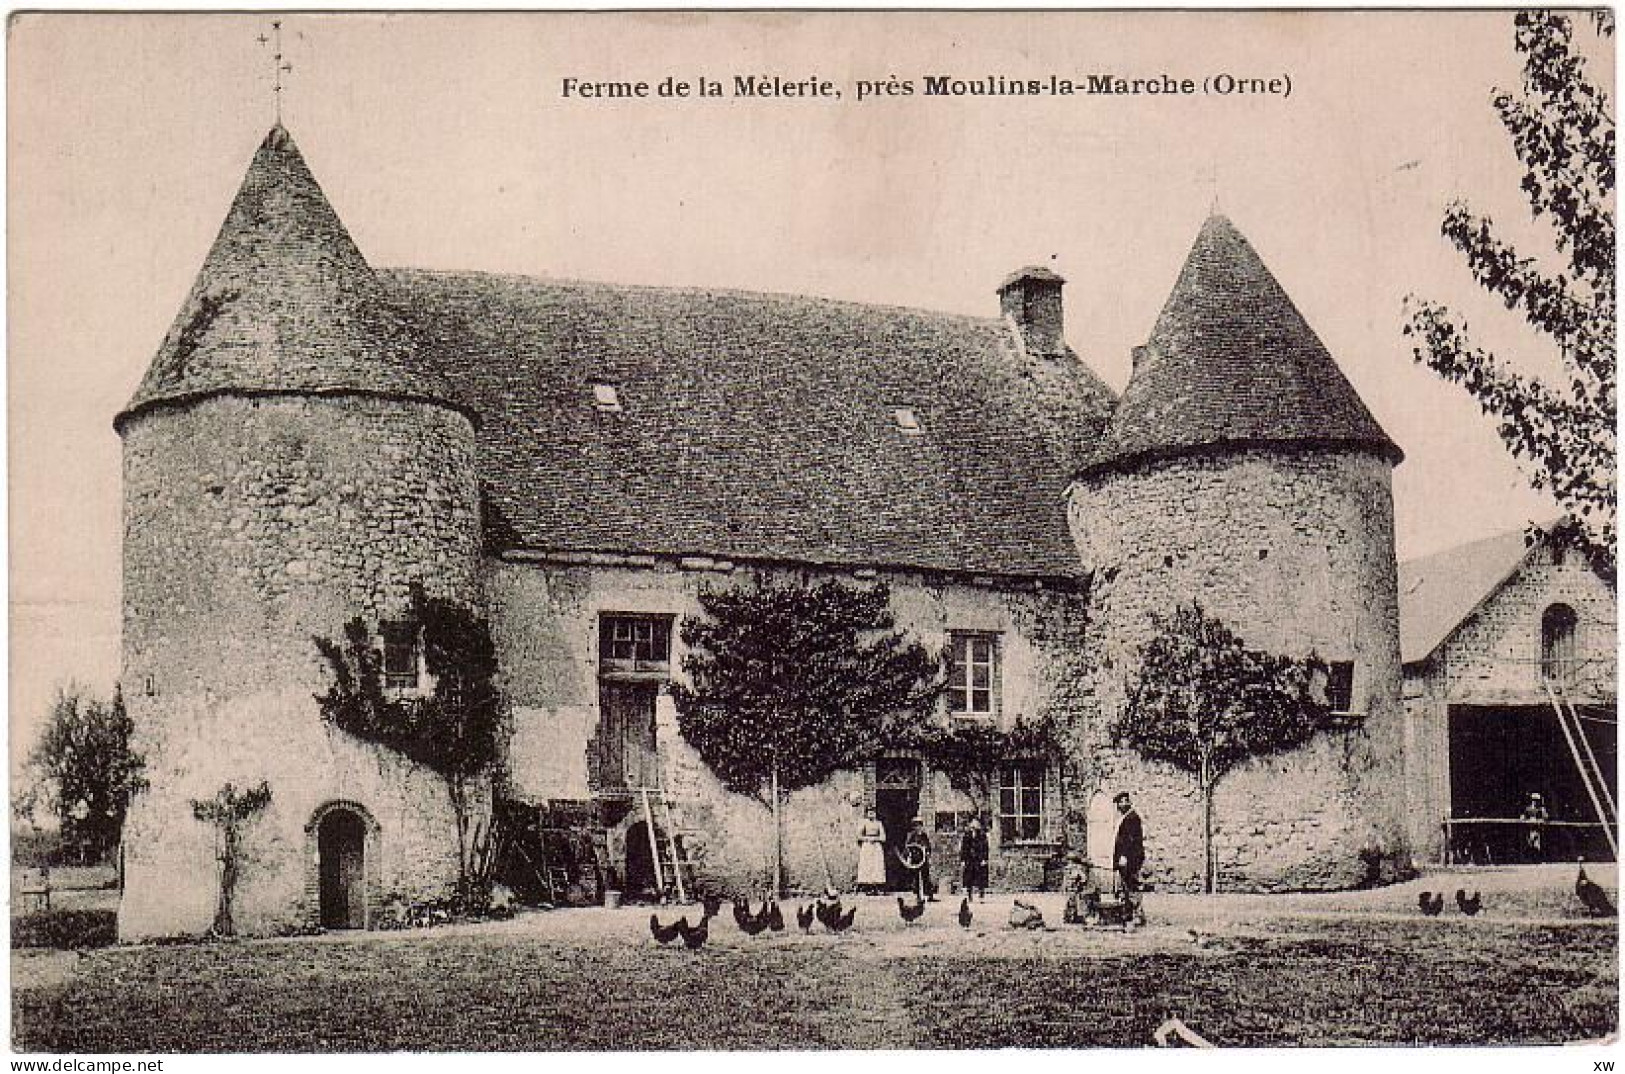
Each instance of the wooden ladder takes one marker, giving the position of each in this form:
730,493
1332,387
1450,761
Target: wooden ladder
1585,761
678,862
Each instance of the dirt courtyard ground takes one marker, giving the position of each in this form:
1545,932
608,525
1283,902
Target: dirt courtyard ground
1340,969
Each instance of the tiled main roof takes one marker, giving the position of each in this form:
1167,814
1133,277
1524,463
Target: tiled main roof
758,425
1232,361
285,302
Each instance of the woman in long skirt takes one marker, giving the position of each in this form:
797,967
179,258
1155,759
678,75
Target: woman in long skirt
871,853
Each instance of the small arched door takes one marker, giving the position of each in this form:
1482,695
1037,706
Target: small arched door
341,848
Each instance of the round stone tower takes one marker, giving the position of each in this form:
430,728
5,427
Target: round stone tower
1241,471
291,460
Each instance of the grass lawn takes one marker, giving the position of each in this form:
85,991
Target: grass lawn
592,979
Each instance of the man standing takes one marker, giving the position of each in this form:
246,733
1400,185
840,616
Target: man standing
1128,855
973,858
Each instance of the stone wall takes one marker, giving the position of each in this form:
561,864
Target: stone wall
1293,549
1493,658
545,615
253,525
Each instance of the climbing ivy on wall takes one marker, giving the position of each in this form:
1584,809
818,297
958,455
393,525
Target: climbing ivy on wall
457,728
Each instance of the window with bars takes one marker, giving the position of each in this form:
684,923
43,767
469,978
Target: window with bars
1340,686
401,656
973,675
635,642
1021,802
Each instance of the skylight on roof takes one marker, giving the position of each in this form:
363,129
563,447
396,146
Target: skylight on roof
606,398
907,422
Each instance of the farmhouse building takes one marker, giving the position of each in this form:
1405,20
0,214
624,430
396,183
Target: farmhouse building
579,461
1510,669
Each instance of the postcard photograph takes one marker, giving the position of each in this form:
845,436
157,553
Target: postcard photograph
821,531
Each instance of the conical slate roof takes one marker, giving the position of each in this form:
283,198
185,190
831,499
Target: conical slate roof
285,302
1231,362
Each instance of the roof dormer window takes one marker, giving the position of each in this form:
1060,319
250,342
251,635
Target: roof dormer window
907,422
606,397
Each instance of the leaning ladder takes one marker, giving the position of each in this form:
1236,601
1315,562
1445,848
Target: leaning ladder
1590,774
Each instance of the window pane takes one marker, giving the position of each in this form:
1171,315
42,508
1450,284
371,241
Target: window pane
957,699
1029,827
981,701
981,676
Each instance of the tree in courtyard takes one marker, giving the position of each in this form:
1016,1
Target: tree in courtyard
84,770
1561,427
456,728
1204,702
229,811
788,683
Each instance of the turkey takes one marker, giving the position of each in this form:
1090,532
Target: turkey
910,914
1430,903
1468,906
1595,898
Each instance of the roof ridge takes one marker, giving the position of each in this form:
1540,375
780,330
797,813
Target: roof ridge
989,320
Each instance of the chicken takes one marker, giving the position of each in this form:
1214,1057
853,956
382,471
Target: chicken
742,914
752,924
1595,898
909,913
712,904
965,915
806,915
828,911
1430,903
775,916
694,938
1468,906
665,934
842,922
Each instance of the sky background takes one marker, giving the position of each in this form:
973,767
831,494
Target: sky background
443,142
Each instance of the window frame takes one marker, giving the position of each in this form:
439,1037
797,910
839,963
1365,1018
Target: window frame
634,654
393,637
1013,811
961,691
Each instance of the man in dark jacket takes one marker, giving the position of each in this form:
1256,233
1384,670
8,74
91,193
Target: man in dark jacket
1128,855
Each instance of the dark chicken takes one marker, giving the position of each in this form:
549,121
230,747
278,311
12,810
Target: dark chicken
665,934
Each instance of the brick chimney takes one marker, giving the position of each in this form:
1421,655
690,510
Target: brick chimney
1032,298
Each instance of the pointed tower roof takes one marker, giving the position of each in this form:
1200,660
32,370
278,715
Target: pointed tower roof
285,302
1231,362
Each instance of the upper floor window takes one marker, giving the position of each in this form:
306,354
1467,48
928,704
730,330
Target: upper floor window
402,655
1340,686
634,643
973,675
1559,657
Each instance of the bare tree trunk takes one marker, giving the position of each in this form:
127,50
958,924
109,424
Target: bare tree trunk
778,834
1207,829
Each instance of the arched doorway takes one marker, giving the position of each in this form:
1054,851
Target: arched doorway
341,851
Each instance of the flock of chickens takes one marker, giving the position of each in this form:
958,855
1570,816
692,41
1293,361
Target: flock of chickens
826,910
1591,895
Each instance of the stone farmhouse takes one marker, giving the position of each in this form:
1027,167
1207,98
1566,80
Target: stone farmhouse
1510,651
578,461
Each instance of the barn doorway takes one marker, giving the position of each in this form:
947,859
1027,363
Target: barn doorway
341,848
640,861
1499,756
